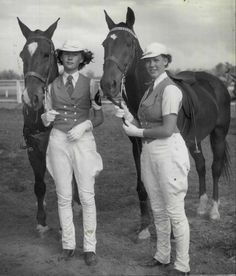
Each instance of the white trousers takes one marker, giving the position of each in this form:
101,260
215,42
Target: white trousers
80,157
164,168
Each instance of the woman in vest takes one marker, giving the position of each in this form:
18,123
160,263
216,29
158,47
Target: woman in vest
71,148
164,159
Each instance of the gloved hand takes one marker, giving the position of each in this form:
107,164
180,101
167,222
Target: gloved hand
49,116
76,132
96,101
123,112
132,130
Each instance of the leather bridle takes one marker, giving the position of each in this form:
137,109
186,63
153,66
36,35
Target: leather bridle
123,68
35,74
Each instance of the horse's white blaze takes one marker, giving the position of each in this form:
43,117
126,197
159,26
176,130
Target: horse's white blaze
25,97
32,48
202,208
113,36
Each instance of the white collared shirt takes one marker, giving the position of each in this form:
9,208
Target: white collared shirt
75,76
159,79
171,98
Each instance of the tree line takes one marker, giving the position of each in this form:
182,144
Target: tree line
225,71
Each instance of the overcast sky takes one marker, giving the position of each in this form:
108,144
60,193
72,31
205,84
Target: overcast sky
199,33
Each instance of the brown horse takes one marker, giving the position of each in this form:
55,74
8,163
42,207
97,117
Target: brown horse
40,69
205,111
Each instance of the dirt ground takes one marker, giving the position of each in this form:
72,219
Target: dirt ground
23,252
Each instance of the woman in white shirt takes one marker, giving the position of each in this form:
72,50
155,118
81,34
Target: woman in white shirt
164,159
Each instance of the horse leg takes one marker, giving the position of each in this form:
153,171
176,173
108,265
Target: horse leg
38,164
201,171
218,145
142,194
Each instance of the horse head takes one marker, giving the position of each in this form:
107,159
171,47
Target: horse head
121,48
39,63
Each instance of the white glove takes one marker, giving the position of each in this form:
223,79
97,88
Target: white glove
123,112
49,116
132,130
76,132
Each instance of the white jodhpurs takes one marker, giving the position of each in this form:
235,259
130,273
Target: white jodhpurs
164,169
80,157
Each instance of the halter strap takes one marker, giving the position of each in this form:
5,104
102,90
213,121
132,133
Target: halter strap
40,37
124,29
35,74
113,58
122,92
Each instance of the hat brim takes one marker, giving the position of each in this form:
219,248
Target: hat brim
151,55
73,50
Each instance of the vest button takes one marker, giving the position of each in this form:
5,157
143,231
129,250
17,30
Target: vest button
75,120
65,119
65,112
75,113
64,106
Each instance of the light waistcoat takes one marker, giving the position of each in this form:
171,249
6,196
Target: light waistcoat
150,108
73,110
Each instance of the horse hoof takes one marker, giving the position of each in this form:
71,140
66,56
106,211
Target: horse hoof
144,234
214,213
42,229
202,208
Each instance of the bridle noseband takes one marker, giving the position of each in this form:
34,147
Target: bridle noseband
45,80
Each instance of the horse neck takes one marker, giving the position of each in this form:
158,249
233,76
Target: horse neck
136,80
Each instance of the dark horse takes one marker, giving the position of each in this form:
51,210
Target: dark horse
40,69
205,111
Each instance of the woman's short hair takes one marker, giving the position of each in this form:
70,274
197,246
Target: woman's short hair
87,57
168,57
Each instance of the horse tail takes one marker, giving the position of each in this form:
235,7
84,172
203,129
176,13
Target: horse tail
226,168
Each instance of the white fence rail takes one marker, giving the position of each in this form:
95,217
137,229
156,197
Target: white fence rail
11,90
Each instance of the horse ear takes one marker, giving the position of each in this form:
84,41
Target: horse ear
49,32
109,21
130,18
24,29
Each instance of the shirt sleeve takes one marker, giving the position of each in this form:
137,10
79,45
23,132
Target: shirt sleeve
171,100
94,87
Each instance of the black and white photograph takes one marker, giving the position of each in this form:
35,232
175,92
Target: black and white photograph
117,137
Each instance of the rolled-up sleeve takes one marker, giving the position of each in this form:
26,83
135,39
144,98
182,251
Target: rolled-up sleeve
171,100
